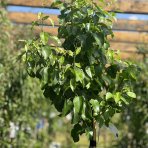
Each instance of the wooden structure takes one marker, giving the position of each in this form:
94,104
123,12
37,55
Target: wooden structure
128,33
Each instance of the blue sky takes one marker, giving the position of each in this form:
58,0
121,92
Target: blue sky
56,11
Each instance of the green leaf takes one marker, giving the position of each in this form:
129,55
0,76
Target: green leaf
31,72
89,132
131,94
78,65
100,120
51,21
44,37
78,50
106,115
76,131
56,39
88,85
111,112
46,52
78,104
124,100
109,95
102,103
72,84
96,106
90,12
58,103
35,23
75,117
68,105
117,97
112,70
45,17
88,71
57,3
79,74
99,38
55,78
87,26
45,75
61,60
84,111
70,53
48,92
40,15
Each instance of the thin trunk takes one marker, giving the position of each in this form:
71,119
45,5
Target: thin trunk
93,138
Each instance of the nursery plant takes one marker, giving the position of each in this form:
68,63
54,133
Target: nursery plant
78,70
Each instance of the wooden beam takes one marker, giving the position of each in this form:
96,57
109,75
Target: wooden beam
131,56
51,30
120,36
23,18
128,25
132,6
131,37
127,50
124,47
34,3
131,25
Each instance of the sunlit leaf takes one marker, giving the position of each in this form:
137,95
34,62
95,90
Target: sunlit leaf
88,71
131,94
44,37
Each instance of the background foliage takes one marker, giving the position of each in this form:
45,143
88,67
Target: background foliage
21,100
135,118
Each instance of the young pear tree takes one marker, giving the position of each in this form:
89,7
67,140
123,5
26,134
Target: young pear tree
82,75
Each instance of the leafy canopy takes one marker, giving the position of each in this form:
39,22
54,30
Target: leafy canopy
81,74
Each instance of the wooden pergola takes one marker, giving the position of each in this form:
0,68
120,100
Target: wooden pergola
128,33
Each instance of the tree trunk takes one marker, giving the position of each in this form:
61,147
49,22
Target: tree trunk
93,138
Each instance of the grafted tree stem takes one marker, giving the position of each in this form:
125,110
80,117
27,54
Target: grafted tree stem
93,138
